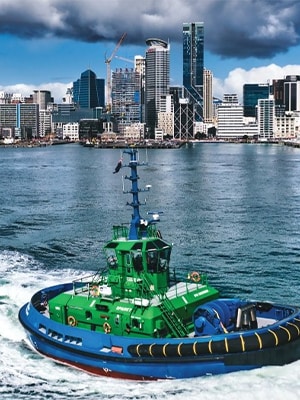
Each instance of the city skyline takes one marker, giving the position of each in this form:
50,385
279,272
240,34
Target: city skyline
51,45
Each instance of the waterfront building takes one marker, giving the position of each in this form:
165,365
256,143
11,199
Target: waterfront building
287,126
126,97
71,131
135,132
28,120
193,65
21,119
157,80
45,122
252,92
88,90
231,122
266,119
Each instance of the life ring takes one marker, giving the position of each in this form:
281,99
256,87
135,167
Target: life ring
72,321
195,277
106,327
95,291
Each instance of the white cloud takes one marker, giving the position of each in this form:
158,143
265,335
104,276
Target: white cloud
233,83
236,78
57,89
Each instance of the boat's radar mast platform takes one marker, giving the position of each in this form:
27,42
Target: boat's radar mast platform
136,220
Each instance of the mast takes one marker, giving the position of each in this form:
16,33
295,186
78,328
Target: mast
135,204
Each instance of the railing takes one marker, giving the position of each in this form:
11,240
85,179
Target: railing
86,283
120,232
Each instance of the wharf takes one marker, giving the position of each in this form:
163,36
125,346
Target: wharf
295,143
142,145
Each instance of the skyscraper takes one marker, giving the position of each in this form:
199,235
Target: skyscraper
207,96
157,79
266,118
193,64
126,96
88,91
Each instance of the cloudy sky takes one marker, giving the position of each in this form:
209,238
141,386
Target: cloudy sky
47,44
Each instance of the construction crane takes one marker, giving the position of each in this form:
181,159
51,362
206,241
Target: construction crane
108,72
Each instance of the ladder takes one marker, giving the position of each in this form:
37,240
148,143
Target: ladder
173,321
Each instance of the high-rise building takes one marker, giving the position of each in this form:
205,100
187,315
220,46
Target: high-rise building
286,93
88,91
292,93
126,97
42,98
277,90
252,92
44,122
193,64
157,79
266,118
22,119
140,67
207,96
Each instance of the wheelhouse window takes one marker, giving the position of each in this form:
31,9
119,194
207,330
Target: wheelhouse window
158,256
111,258
137,260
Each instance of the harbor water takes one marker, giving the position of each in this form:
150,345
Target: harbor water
231,211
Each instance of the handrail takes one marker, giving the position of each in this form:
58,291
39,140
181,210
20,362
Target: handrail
169,314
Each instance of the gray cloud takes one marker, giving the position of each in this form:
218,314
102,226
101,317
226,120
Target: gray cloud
233,28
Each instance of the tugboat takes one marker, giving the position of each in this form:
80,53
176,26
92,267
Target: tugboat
133,319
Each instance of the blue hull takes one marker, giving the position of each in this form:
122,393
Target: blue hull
151,359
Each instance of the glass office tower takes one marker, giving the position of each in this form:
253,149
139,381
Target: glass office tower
193,64
252,92
88,91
